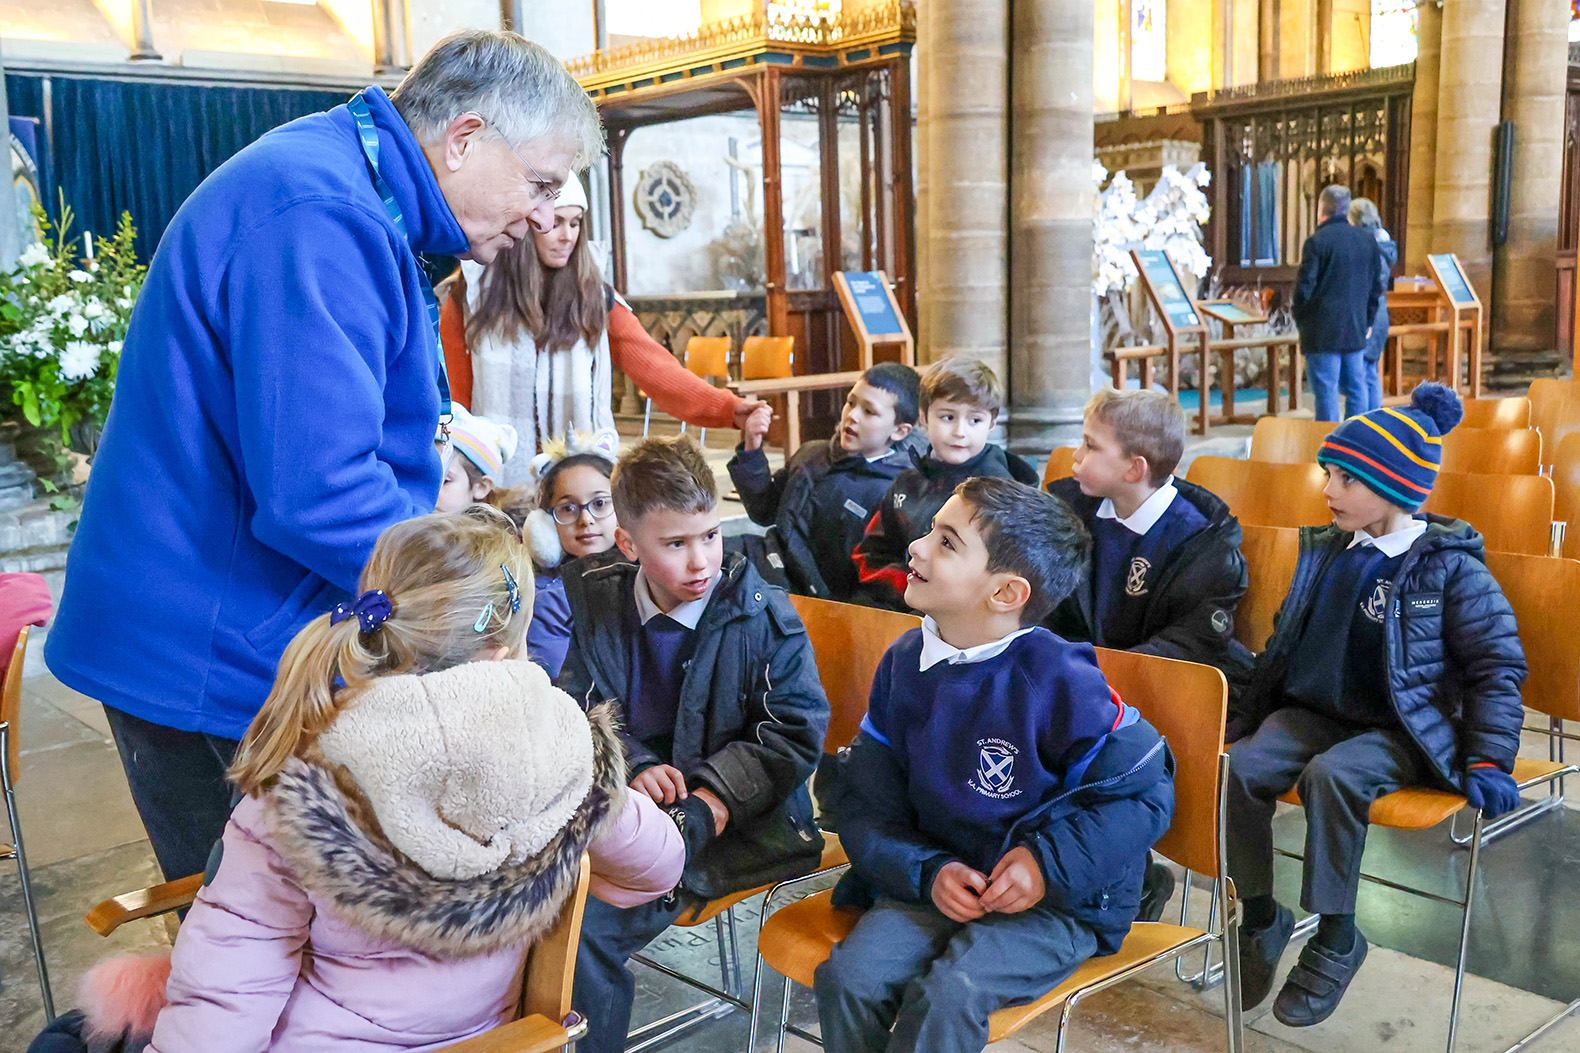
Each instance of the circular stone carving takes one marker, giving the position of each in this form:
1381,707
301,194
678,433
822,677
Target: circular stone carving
665,199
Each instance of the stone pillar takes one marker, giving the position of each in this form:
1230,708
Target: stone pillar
1525,275
1050,221
1469,100
1423,141
963,51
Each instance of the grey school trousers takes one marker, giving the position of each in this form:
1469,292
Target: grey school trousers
1339,771
935,981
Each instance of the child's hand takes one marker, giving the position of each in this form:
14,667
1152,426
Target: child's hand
956,890
662,782
755,428
721,814
1015,884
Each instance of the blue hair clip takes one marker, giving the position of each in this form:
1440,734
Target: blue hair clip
487,615
371,609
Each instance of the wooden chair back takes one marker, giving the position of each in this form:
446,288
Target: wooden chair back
1270,557
1288,440
1566,495
1497,413
1493,451
848,642
1261,493
1188,704
767,357
551,963
1557,421
11,704
1544,393
708,356
1542,591
1514,513
1061,461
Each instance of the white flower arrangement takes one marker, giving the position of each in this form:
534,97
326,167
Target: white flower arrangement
1170,218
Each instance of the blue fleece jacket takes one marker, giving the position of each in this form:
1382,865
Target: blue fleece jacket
274,412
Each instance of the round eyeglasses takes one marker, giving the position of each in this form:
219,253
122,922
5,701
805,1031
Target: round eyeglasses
567,512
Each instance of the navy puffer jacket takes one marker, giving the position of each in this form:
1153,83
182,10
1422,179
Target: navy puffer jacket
1455,664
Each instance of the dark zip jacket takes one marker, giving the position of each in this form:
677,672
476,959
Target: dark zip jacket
818,506
751,718
1455,664
1192,600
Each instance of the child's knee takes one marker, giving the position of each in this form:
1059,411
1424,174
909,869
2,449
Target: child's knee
845,977
950,993
1325,777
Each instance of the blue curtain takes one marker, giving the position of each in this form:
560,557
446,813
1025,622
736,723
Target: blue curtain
143,146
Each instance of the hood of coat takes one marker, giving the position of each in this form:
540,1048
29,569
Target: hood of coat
330,831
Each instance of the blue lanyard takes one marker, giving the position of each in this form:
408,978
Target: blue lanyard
368,135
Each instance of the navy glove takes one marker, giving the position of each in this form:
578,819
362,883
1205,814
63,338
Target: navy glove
1491,789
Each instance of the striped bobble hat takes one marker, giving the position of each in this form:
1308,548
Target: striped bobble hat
486,444
1396,451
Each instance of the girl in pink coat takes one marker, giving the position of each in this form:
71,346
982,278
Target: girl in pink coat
417,802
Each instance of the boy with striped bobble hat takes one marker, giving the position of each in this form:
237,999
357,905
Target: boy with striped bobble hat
1396,662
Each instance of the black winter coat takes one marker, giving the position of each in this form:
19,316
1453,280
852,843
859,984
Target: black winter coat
751,720
906,513
1338,288
1455,664
818,506
1191,604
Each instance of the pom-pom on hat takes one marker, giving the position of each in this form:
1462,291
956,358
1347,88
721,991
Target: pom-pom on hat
486,444
1396,452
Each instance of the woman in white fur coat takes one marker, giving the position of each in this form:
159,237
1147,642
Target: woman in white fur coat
417,802
531,340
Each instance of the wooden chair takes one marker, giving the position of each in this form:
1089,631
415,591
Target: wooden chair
1270,557
707,357
1187,703
848,642
1514,513
1544,393
1497,413
1288,440
1261,493
1061,461
1556,421
1493,451
10,772
768,358
1566,486
545,1021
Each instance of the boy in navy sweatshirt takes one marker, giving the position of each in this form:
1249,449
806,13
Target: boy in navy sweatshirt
1396,662
1166,573
818,504
999,801
724,711
960,401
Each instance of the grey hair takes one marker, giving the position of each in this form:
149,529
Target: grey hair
1363,213
1336,199
517,86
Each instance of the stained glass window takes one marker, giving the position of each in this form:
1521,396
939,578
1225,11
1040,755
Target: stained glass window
1394,27
1149,53
1574,20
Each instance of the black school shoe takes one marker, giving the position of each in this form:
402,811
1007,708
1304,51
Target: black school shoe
1317,982
1260,950
1156,888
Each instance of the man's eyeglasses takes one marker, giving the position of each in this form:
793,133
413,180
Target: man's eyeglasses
545,189
567,512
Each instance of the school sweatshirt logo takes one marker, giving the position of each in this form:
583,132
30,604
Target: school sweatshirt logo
1136,579
1375,605
995,774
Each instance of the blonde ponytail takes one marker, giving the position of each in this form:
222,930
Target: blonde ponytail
457,583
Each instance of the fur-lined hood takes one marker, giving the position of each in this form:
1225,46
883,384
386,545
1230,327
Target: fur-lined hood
326,829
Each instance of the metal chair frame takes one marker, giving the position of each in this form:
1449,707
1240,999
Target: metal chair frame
16,850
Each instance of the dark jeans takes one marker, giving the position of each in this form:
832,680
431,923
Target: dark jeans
1339,771
178,784
935,982
604,988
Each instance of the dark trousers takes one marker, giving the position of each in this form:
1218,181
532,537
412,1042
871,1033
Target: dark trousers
1339,771
178,784
908,978
604,988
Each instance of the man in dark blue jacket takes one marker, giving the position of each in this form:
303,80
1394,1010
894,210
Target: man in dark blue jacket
999,801
278,398
1336,297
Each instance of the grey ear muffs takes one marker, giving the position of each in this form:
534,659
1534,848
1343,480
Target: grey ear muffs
543,539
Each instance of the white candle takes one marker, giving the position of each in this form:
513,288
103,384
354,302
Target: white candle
87,243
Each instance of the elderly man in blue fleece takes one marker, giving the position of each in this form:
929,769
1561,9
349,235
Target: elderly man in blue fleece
278,398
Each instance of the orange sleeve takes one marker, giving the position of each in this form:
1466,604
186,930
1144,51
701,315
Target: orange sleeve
457,359
674,388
